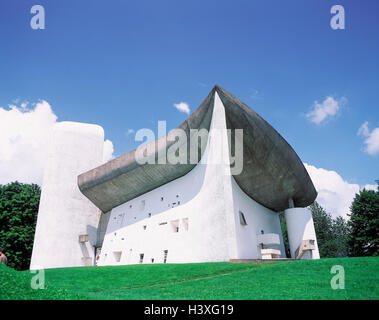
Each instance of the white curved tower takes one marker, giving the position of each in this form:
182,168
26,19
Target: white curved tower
301,230
64,213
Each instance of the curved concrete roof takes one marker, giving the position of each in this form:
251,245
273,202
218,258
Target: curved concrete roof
272,172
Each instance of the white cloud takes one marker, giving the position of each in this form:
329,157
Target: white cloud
335,194
24,104
182,107
24,136
108,151
372,138
328,108
371,187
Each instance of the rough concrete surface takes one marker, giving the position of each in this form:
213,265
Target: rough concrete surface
272,171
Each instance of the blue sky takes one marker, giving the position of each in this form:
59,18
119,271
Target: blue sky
123,64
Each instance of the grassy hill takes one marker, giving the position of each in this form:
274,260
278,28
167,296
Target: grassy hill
279,280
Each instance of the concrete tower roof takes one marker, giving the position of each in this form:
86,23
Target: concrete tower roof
272,171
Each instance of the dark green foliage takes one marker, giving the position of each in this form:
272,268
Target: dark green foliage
18,216
340,231
283,225
364,224
332,234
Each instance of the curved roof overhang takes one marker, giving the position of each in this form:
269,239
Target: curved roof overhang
272,171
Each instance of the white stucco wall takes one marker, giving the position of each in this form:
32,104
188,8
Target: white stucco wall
64,213
258,218
300,227
210,201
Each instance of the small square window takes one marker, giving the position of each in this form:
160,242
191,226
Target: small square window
83,238
175,226
117,255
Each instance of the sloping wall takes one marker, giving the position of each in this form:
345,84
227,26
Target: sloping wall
64,212
191,219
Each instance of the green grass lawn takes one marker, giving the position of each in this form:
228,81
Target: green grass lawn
279,280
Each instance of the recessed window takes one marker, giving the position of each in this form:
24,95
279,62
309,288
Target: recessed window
152,260
177,196
130,206
161,198
165,253
175,226
185,224
141,258
144,227
162,223
149,215
83,238
117,255
242,219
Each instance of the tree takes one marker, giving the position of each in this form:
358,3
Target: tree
340,230
18,216
332,234
364,224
